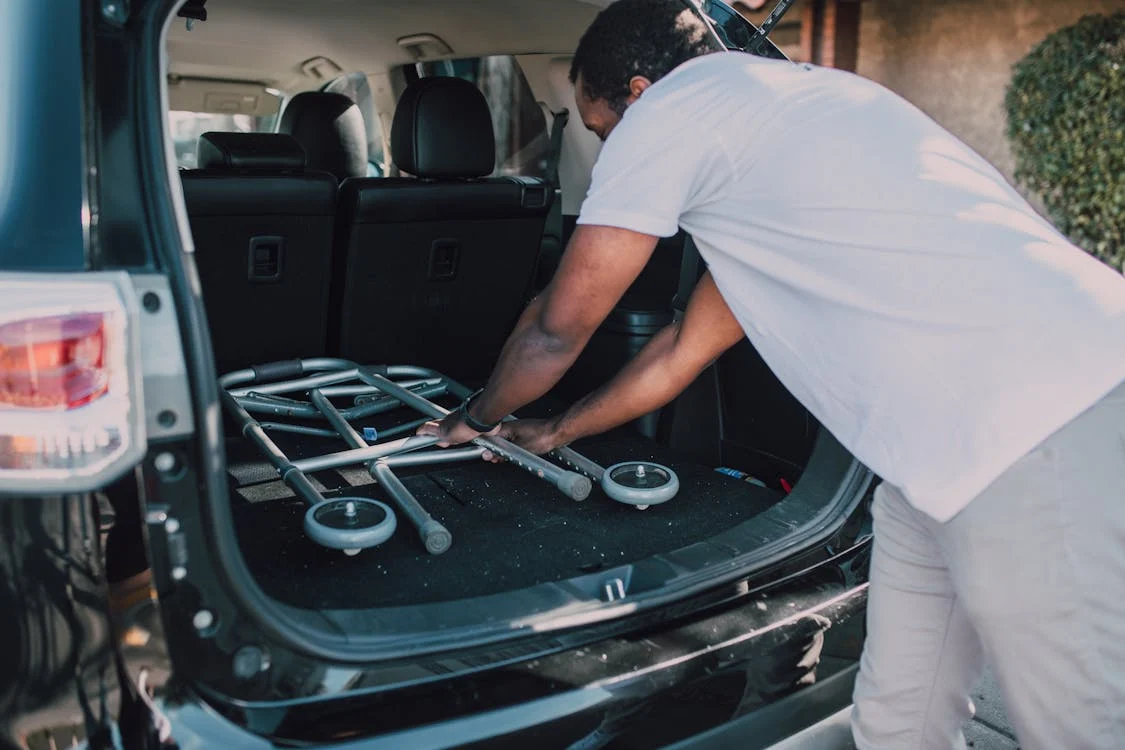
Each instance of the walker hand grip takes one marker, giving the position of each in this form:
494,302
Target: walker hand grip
283,370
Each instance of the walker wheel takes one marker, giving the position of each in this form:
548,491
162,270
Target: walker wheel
350,523
640,483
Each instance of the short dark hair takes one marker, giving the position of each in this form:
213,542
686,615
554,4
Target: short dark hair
637,38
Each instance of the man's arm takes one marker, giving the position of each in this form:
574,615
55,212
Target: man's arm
667,365
598,266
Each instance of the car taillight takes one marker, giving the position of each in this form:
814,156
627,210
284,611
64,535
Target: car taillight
53,363
69,381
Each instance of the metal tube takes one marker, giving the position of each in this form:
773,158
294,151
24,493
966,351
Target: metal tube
313,364
365,390
253,431
398,429
237,376
300,484
580,463
390,403
348,390
277,409
460,392
300,384
407,397
435,536
332,414
298,429
568,456
428,458
285,407
361,455
573,485
410,371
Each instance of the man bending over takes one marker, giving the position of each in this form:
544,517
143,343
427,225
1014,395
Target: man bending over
918,307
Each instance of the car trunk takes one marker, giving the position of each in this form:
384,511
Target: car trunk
525,554
511,530
524,559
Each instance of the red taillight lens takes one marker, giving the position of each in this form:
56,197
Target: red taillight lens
71,398
55,362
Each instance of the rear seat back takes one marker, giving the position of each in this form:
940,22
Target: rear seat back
262,227
438,266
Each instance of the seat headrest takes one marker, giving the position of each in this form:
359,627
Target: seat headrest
331,129
248,151
443,128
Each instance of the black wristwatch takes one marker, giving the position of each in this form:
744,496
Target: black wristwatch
474,424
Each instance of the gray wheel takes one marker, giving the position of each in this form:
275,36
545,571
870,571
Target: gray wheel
350,523
640,483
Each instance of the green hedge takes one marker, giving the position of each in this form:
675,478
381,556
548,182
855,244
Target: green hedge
1066,123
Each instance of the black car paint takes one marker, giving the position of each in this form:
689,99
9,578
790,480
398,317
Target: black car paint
636,682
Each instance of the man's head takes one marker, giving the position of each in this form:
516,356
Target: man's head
629,46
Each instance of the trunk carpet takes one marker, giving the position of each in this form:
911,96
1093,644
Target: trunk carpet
510,530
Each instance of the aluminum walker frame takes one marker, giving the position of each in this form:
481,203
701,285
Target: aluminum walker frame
354,523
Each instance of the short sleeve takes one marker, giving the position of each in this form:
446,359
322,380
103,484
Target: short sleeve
652,169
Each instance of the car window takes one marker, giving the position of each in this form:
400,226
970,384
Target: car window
522,137
357,88
186,127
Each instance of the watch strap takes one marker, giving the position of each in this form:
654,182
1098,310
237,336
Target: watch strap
473,423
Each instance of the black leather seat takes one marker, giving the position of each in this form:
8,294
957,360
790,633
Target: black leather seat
439,265
330,128
262,227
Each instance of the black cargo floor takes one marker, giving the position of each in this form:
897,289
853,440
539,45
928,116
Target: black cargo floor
510,530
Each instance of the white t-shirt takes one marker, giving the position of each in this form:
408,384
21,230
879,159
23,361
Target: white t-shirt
890,277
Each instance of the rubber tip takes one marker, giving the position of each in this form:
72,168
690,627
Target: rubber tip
436,537
575,486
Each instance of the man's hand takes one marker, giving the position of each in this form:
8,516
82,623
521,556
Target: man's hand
538,436
452,430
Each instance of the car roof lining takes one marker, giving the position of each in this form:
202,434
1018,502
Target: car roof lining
269,40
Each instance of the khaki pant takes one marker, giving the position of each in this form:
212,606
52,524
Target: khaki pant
1029,578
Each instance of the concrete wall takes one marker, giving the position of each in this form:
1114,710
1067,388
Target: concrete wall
953,58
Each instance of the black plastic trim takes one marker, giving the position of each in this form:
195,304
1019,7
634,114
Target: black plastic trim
779,720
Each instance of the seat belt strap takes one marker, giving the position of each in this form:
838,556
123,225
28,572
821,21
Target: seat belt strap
551,244
691,268
554,226
554,152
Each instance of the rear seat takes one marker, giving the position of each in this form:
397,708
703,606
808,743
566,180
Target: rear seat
438,266
262,226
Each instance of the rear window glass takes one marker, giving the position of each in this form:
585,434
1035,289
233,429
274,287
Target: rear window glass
522,138
186,127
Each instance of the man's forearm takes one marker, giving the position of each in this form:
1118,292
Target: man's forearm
532,362
659,373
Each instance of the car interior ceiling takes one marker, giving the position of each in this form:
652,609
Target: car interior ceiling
301,254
